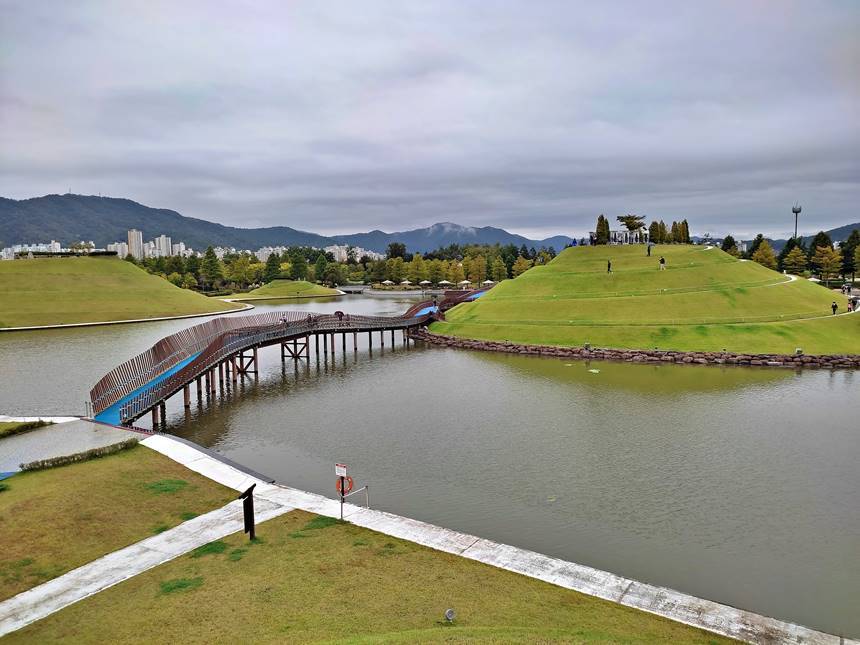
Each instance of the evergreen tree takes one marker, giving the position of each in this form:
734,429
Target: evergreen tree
685,232
632,222
664,233
298,266
320,267
273,268
821,239
795,262
790,245
210,268
654,232
601,232
764,255
755,244
395,250
676,233
849,265
192,266
729,245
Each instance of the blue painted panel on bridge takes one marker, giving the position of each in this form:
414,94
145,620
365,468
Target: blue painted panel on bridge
475,296
426,310
111,414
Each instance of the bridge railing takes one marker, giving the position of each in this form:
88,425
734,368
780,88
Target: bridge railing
242,333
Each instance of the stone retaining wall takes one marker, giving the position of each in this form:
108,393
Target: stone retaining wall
835,361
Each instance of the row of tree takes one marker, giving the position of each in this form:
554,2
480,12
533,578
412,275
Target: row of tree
658,232
454,264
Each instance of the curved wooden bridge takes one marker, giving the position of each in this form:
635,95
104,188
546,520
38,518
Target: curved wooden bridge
222,349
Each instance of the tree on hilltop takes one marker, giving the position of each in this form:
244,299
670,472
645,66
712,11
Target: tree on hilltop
848,247
273,267
685,232
790,245
521,266
764,255
320,266
821,239
729,245
632,222
828,262
795,262
396,250
755,244
601,232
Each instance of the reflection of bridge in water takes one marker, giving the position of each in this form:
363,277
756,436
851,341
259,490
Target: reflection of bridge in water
217,353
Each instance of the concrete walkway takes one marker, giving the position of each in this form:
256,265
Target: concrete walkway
245,307
39,602
63,438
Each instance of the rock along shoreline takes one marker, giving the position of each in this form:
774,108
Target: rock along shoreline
825,361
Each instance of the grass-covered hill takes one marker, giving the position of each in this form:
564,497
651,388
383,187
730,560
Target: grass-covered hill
704,300
279,289
54,291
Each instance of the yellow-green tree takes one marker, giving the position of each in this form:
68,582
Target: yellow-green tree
795,261
476,269
500,272
828,262
417,269
455,272
436,271
765,256
521,266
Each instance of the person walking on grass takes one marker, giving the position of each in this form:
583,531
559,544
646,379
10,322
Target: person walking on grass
648,246
609,266
834,307
662,263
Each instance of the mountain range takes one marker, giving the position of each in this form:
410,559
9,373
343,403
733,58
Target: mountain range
69,218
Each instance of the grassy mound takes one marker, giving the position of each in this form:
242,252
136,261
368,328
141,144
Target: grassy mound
54,291
306,580
278,289
704,300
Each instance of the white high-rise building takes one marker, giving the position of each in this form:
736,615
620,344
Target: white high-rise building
121,248
135,244
178,249
163,246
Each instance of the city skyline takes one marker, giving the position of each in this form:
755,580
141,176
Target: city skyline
530,118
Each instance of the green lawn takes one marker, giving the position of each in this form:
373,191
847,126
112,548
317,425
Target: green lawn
280,289
314,579
58,519
704,300
52,291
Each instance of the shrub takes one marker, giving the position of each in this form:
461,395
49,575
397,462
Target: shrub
95,453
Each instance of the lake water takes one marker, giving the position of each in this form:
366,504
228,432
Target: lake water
734,484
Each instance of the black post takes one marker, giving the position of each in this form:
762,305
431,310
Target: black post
342,491
248,508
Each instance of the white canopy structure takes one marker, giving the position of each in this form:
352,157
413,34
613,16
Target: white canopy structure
488,282
445,282
425,282
464,282
387,282
406,282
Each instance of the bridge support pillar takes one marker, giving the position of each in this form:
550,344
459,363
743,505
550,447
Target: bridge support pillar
332,346
308,348
233,373
163,413
199,388
343,343
355,341
155,418
221,376
382,338
370,339
213,388
256,362
186,396
392,339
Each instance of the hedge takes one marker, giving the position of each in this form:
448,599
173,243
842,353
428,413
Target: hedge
94,453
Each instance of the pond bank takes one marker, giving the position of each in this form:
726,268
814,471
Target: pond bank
826,361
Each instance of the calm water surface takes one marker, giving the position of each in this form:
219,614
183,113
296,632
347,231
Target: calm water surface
738,485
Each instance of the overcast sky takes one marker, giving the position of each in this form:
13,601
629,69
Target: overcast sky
535,116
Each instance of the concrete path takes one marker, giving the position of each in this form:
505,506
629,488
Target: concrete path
705,614
245,307
62,438
39,602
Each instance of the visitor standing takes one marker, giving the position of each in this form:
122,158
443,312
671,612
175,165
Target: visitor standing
834,307
609,266
649,249
662,263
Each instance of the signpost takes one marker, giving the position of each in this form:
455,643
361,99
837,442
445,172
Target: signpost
343,484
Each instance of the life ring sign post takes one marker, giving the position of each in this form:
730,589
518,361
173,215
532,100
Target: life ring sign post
343,484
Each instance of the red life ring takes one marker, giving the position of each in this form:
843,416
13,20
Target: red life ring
349,484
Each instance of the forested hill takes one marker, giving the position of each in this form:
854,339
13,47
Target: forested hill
69,218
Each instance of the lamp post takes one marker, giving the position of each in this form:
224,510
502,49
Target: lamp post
796,210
